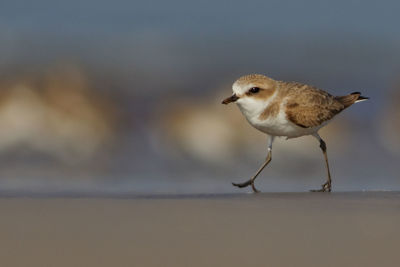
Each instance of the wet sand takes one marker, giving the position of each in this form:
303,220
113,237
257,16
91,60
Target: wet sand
282,229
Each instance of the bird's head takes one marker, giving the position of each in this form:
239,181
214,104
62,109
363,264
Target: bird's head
252,92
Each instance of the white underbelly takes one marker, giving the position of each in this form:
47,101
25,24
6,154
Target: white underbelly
280,126
277,125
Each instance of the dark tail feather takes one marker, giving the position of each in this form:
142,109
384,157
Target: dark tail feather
350,99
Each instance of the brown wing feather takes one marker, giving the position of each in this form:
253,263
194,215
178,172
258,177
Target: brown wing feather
308,106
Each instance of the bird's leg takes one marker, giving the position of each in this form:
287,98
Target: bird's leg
251,181
327,186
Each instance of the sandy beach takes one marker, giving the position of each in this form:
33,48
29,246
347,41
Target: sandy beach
269,229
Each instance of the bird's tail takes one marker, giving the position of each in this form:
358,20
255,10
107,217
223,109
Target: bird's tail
350,99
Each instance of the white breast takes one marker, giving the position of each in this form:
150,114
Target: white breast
277,125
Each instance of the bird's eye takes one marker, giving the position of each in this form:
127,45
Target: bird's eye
254,90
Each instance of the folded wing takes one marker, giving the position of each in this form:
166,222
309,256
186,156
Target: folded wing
308,106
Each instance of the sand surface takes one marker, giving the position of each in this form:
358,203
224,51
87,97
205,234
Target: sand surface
282,229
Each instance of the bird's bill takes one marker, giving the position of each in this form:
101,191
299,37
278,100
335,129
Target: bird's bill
230,99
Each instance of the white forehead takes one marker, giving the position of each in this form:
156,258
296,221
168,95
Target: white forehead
240,88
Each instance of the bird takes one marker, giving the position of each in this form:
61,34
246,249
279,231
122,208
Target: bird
287,109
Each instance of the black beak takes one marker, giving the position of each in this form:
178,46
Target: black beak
230,99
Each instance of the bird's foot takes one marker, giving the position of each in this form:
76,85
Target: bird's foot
245,184
326,187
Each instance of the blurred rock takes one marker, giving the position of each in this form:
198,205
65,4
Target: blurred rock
389,130
56,113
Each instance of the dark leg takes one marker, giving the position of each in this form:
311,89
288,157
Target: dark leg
327,186
251,181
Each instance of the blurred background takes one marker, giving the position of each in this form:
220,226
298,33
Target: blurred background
124,96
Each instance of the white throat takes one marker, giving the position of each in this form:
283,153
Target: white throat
253,107
250,107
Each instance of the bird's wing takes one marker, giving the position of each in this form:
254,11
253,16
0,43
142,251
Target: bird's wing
308,106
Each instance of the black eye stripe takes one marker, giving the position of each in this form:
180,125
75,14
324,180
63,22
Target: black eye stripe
254,90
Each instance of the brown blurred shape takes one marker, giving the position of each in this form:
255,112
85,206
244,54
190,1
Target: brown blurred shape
389,121
56,113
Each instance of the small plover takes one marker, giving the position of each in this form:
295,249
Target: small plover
287,109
